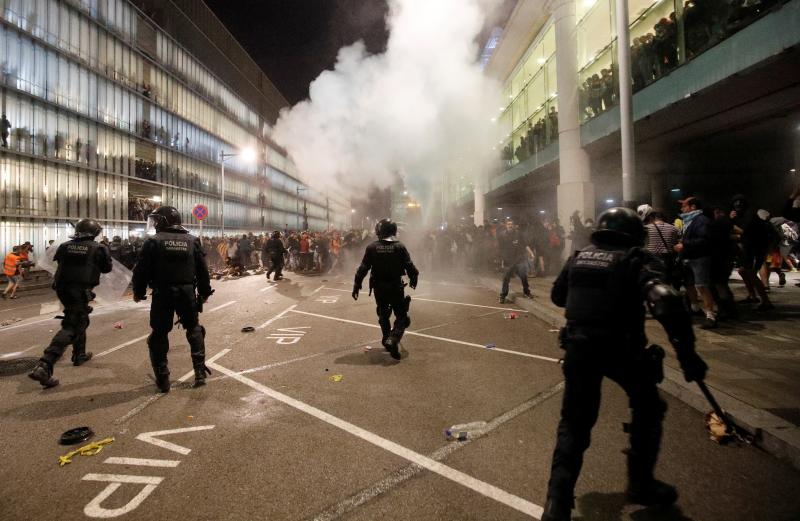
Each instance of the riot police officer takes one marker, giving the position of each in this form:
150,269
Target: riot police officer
173,264
388,260
274,250
80,263
603,288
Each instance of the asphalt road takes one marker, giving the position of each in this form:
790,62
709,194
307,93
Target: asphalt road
273,436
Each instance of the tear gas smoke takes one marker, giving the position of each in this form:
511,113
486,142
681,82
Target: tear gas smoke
420,109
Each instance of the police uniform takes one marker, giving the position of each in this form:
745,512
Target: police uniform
274,250
603,288
172,263
388,260
80,263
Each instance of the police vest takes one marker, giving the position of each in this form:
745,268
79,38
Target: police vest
77,263
603,291
174,264
388,260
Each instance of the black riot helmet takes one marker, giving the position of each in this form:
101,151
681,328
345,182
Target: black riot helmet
87,228
385,228
165,218
619,227
276,234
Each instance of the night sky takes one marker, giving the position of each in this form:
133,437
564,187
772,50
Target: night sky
294,40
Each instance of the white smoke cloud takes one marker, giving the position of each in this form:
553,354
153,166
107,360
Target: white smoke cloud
421,108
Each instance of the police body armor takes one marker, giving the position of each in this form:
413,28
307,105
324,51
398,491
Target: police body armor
602,295
175,265
77,263
274,247
388,262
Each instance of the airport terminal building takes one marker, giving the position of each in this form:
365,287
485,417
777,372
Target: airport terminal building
715,106
113,107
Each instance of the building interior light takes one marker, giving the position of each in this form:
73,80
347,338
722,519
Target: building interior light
500,209
541,61
793,170
589,3
675,190
542,211
609,201
156,198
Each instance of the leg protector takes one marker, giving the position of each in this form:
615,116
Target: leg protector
158,344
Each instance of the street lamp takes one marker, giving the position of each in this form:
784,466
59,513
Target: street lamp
249,155
297,206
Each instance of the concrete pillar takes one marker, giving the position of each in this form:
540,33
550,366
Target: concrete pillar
630,190
575,188
479,192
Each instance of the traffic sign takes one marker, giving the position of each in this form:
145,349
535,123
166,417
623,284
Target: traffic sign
200,211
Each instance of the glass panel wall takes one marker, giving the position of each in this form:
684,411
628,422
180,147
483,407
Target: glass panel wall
529,112
664,35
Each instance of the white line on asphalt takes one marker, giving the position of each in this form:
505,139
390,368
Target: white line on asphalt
151,437
402,475
117,348
419,297
142,462
6,328
268,288
486,489
17,353
123,478
444,339
222,306
276,317
316,290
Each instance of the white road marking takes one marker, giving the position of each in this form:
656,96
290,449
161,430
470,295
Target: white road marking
432,465
413,298
443,339
7,328
268,288
17,353
94,508
402,475
151,438
276,317
222,306
142,462
117,348
317,290
50,307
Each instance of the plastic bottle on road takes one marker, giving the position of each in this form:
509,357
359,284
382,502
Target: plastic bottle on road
465,431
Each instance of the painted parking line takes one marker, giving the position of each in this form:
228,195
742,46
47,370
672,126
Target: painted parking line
276,317
222,306
419,297
272,286
125,344
432,337
483,488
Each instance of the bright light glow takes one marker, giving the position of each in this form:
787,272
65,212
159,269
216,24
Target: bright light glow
156,198
493,120
675,190
541,211
609,201
352,210
793,170
248,154
405,192
499,208
541,61
589,3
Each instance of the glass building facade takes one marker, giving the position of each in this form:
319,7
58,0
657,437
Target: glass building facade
108,116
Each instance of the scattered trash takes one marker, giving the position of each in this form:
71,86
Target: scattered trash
118,325
248,329
510,316
490,346
465,431
75,436
91,449
190,417
9,322
336,377
51,331
326,368
367,349
717,429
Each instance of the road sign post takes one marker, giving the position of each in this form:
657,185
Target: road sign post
200,212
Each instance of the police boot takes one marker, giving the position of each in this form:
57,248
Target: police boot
200,371
556,509
269,272
162,378
392,345
43,374
81,358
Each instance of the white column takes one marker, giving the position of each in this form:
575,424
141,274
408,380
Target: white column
479,214
630,191
575,188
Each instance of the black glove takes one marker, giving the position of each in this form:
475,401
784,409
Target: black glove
413,283
356,289
694,368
